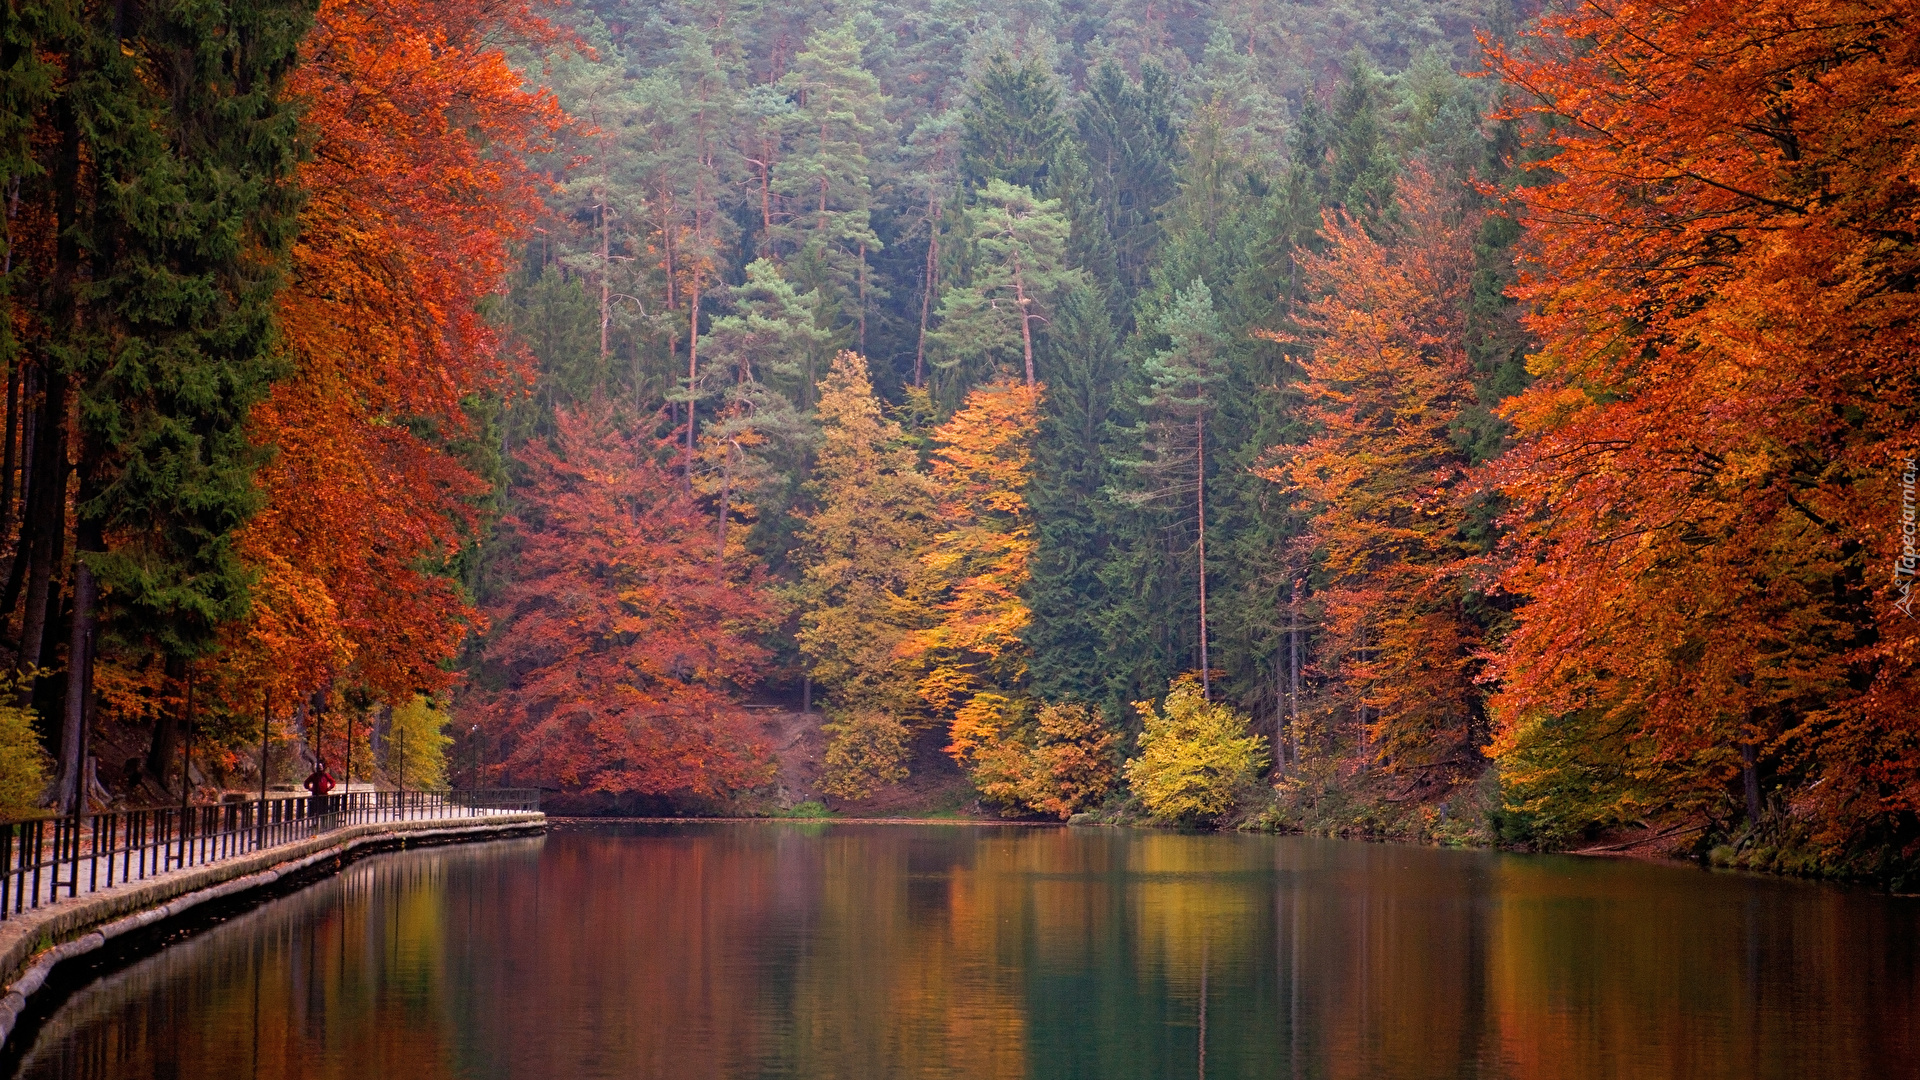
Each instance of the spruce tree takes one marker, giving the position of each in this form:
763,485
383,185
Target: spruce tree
1131,143
1219,229
1363,163
1183,384
1071,509
186,227
760,363
1012,128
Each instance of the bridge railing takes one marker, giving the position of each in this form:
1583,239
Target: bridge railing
45,859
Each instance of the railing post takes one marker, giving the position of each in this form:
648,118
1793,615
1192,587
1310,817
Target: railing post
39,839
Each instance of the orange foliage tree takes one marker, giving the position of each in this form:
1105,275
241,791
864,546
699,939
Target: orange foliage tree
1026,756
1707,496
622,633
970,652
417,190
1384,388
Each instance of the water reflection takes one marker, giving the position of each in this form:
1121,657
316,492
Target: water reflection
891,951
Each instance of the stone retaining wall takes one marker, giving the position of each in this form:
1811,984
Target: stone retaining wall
34,942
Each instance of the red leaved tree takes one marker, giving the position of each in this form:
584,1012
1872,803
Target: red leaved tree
416,193
1707,497
622,635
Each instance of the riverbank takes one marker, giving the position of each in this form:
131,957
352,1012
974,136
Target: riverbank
1472,812
33,944
1460,807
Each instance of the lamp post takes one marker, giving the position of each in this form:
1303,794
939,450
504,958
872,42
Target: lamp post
186,769
266,726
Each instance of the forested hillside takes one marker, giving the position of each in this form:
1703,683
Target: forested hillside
1068,247
1443,420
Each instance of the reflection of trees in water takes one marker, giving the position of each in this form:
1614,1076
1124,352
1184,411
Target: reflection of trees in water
851,952
346,978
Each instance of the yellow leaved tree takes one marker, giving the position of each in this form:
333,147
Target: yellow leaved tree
25,766
1024,755
417,742
862,592
980,560
1196,758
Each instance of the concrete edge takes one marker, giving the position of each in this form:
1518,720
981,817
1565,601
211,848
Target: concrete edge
36,942
1018,823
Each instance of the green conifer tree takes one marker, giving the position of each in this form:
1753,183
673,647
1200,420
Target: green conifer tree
1183,384
825,181
1070,505
1131,143
186,233
1020,271
760,363
1012,127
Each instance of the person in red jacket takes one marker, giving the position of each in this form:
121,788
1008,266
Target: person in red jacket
320,783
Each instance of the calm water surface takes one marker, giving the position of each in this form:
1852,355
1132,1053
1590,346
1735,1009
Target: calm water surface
790,950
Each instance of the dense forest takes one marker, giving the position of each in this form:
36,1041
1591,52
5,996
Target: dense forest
1452,419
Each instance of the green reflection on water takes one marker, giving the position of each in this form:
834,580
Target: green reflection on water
848,951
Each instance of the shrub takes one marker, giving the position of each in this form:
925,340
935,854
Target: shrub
1196,758
24,763
1062,762
417,742
866,749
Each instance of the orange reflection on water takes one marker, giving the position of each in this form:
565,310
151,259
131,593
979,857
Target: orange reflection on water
826,951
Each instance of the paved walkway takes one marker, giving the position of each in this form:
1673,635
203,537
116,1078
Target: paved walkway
47,860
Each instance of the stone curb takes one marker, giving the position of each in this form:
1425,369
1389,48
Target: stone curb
88,922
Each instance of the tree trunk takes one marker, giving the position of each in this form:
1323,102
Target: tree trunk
73,733
186,748
9,461
266,740
726,497
926,295
693,373
1293,678
1026,323
1280,768
1750,779
606,285
1360,708
1200,494
166,731
22,553
45,530
766,198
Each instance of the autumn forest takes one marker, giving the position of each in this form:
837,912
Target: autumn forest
1471,421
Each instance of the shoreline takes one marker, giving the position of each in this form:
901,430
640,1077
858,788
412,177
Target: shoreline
584,819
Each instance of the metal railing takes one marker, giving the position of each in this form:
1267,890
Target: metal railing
44,859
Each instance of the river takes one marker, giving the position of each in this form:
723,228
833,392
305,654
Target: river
881,951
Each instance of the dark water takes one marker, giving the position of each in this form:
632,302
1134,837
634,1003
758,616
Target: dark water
784,950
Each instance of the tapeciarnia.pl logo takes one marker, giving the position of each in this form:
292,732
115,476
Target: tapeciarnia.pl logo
1908,564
